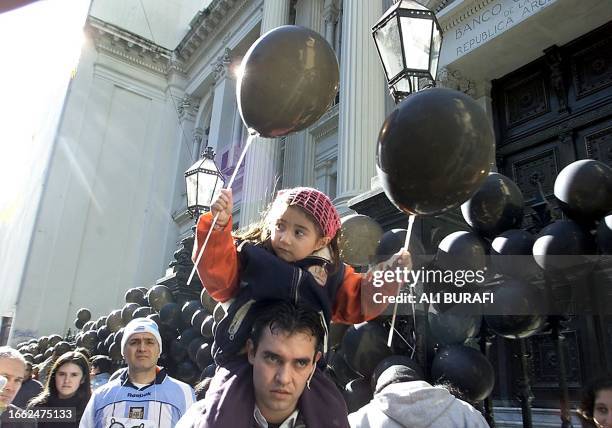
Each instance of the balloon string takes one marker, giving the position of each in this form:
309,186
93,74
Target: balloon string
212,225
405,248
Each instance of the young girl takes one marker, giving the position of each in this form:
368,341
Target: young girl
68,386
291,255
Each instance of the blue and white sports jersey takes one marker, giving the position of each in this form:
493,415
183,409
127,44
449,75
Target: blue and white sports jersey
119,404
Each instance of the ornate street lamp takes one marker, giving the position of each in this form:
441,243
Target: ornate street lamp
408,39
203,181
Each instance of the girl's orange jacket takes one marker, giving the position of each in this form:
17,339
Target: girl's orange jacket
219,272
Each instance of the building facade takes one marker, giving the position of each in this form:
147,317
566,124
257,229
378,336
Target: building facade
156,84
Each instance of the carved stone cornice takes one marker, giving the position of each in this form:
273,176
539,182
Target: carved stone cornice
131,48
461,15
327,124
205,24
187,108
222,64
453,79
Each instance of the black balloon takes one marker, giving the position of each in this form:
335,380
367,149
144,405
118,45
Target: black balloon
340,371
62,347
186,372
170,315
89,325
127,313
511,254
204,357
336,333
584,189
604,235
466,369
155,318
188,335
136,295
142,312
210,370
102,333
289,79
207,302
114,321
158,296
206,329
90,340
188,309
452,328
178,351
54,339
495,207
565,247
114,351
193,347
79,323
518,309
84,314
357,394
198,318
364,346
462,251
434,151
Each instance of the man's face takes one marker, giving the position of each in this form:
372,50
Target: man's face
282,365
14,371
141,352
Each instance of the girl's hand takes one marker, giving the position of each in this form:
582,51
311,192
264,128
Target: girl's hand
399,259
223,206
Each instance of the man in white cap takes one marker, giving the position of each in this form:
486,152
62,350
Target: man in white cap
143,395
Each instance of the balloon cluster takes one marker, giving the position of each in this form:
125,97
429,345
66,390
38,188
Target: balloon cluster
185,328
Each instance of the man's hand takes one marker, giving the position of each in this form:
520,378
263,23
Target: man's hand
223,206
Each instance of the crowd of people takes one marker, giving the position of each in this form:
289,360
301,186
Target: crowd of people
281,284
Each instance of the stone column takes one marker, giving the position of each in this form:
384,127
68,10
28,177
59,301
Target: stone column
298,168
362,107
309,14
224,105
330,15
262,159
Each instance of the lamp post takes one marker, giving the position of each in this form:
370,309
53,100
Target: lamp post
203,181
408,39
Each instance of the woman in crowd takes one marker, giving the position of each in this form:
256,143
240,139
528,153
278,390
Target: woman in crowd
67,387
596,406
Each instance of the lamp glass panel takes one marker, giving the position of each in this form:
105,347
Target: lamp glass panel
416,35
390,48
191,182
435,51
206,188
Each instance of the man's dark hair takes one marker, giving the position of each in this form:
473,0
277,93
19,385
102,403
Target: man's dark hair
102,363
287,318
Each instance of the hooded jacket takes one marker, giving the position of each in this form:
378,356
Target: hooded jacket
416,405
